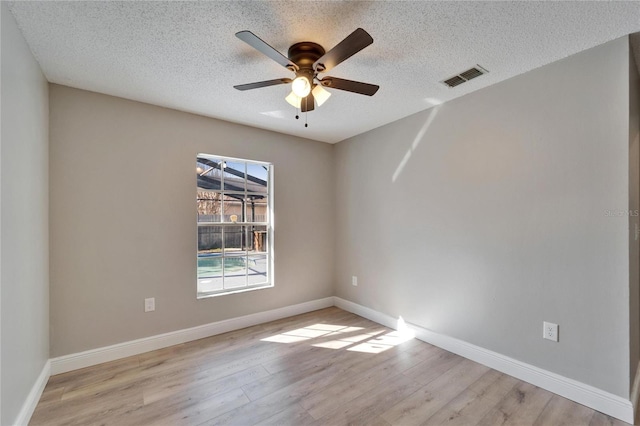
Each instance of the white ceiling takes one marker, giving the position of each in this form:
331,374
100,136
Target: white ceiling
184,55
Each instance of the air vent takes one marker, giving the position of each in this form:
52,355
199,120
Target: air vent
454,81
465,76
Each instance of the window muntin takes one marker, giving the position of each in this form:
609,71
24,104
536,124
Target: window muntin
234,225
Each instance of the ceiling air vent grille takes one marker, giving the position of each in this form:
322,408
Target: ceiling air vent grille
465,76
454,81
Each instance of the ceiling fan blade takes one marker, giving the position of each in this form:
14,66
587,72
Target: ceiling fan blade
261,46
350,86
308,103
355,42
266,83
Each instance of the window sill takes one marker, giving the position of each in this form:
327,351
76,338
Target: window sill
227,292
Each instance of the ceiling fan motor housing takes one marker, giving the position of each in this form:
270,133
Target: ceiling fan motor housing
305,54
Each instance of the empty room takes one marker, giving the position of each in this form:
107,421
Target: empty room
319,213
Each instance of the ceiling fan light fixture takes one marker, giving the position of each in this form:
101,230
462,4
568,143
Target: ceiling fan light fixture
320,94
294,100
307,59
301,86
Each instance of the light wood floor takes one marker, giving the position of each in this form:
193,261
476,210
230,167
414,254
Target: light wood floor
327,367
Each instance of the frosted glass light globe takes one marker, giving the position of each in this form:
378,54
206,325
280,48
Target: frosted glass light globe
301,86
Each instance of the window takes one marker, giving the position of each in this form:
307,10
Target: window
234,225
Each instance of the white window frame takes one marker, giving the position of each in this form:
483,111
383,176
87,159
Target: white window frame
223,224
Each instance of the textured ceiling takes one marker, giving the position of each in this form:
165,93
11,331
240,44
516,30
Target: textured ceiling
184,55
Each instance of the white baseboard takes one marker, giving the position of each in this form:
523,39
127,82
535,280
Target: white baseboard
365,312
29,405
582,393
91,357
635,391
599,400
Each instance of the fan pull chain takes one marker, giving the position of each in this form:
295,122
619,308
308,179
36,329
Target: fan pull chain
306,111
299,110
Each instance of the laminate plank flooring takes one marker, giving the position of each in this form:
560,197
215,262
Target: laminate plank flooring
327,367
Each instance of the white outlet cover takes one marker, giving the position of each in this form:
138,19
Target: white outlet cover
354,280
150,304
550,331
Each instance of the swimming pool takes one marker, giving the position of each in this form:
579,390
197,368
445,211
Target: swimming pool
210,265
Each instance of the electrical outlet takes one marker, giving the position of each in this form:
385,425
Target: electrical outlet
150,304
550,331
354,281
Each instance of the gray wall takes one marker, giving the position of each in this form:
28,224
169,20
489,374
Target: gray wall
24,220
634,219
485,216
115,163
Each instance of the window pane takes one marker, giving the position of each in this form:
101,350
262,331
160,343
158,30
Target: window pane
257,178
209,239
235,271
208,173
232,207
234,176
257,208
235,239
257,268
209,206
209,272
259,241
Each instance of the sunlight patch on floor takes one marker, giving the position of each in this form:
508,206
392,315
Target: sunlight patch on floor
345,337
310,332
346,341
381,343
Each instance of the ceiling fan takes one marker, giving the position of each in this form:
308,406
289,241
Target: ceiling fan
307,59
